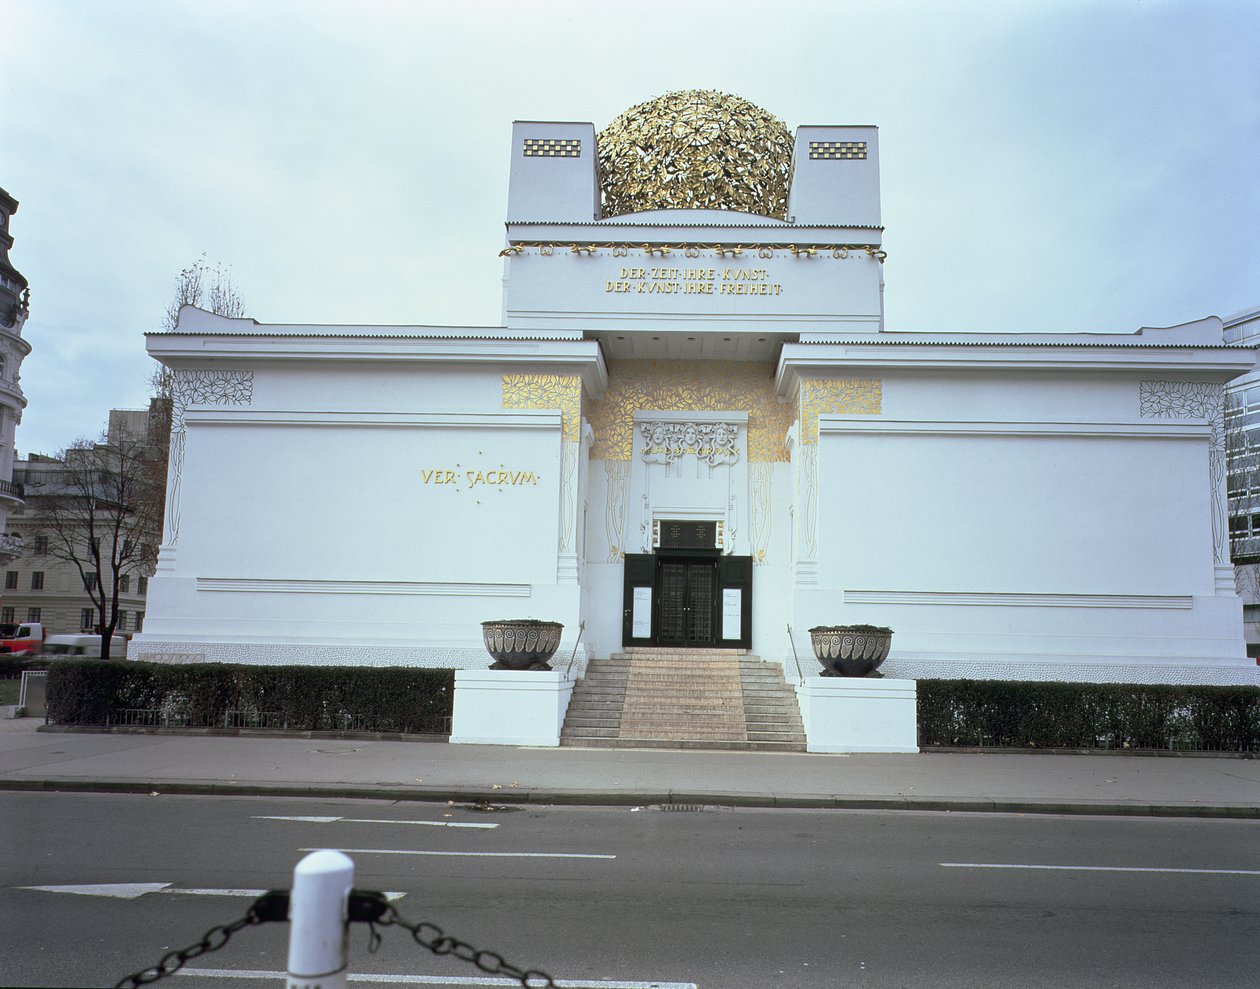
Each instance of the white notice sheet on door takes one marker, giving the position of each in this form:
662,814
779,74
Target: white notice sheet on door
641,619
732,602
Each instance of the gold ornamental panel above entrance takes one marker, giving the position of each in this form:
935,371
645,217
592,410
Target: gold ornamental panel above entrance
689,386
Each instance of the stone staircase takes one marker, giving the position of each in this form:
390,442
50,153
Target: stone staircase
692,699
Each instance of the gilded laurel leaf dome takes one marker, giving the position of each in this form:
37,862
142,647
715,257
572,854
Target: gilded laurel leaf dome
695,149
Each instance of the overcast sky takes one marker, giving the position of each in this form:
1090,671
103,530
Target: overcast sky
1047,165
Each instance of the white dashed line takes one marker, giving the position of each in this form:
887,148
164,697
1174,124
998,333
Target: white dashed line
492,855
438,980
1098,868
371,820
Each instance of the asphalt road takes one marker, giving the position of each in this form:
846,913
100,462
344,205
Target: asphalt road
712,898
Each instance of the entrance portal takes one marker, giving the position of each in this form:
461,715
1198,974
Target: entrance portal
689,599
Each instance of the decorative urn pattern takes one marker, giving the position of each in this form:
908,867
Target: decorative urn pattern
521,643
850,650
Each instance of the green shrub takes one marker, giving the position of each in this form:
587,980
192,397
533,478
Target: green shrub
11,667
1044,715
219,695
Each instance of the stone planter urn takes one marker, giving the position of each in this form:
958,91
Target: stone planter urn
850,650
521,643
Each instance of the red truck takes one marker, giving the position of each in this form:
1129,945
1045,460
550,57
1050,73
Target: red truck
25,639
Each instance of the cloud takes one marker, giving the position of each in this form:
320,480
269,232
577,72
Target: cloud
1046,166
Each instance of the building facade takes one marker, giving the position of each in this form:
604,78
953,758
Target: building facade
1242,436
692,429
40,583
15,307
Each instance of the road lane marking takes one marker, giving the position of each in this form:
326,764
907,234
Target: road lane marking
132,891
371,820
1098,868
438,980
492,855
122,891
391,894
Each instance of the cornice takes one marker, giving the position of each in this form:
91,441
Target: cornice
192,350
773,225
1219,362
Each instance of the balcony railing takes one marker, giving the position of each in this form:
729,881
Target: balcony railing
13,491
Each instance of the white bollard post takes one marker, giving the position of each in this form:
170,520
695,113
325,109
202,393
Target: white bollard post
319,921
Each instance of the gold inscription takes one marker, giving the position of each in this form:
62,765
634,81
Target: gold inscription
693,281
499,478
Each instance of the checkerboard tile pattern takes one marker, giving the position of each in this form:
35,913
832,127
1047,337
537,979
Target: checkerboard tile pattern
837,149
550,147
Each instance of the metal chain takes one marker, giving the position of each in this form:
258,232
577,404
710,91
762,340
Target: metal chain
364,907
436,940
270,906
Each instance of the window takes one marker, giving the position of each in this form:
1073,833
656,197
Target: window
41,545
87,618
128,546
143,585
94,545
90,581
139,620
10,580
32,614
37,580
1251,612
124,583
122,621
6,616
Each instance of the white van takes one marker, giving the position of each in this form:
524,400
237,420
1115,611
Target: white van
85,646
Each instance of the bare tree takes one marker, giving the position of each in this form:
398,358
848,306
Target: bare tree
203,286
97,512
206,287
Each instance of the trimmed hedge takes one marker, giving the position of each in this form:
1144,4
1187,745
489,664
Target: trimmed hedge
1044,715
221,695
11,667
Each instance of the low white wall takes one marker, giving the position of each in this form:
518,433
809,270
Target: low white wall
859,714
509,707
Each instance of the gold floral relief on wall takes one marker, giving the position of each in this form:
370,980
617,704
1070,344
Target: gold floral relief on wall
547,391
847,396
689,386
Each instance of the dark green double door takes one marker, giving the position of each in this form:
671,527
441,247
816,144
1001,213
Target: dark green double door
691,601
686,602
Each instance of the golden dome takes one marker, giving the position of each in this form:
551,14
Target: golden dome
695,149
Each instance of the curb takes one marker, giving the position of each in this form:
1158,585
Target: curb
616,798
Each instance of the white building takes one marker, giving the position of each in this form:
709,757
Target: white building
15,305
692,428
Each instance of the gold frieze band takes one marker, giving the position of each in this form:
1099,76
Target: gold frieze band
620,250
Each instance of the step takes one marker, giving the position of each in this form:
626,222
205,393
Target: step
658,697
667,743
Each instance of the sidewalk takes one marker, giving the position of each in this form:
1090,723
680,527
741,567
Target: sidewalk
1032,783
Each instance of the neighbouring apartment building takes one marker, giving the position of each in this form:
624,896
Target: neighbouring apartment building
1242,438
41,586
15,300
